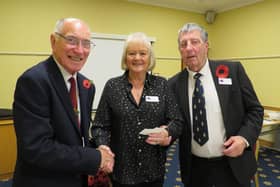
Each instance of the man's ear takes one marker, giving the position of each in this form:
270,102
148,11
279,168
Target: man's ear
52,40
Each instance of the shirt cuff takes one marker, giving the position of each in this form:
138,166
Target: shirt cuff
246,142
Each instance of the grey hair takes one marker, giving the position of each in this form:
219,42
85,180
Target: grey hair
60,23
193,26
139,37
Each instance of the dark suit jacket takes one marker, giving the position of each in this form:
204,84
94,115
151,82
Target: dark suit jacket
49,142
241,111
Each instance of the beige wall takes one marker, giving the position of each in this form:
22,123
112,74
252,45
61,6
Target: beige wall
26,26
251,35
246,34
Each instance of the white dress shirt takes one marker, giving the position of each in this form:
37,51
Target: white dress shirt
216,130
66,77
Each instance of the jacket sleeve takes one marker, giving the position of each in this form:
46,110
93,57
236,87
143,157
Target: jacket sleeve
253,111
45,138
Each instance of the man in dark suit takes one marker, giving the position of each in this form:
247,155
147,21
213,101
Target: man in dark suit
219,152
53,148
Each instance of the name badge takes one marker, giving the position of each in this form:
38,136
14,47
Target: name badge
152,99
225,81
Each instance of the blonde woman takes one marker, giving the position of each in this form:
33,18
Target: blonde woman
130,103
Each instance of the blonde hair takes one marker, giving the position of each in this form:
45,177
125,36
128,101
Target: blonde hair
139,37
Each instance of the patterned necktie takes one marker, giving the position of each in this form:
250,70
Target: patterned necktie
200,130
73,96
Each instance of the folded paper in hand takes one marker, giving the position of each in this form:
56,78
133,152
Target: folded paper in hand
149,131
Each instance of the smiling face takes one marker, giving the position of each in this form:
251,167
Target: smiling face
137,57
193,50
71,57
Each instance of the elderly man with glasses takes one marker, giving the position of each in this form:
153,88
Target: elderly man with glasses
52,115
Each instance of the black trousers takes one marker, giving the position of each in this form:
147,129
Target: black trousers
213,173
144,184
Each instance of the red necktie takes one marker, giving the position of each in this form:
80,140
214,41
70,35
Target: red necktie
73,96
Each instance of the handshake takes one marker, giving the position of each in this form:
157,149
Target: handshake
107,159
107,163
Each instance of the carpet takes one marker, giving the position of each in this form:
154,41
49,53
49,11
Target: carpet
268,168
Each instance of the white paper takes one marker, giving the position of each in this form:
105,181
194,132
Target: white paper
149,131
274,115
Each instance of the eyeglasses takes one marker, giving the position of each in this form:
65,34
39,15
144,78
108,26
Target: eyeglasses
72,40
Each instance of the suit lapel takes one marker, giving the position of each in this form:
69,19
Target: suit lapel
183,95
223,91
83,95
58,83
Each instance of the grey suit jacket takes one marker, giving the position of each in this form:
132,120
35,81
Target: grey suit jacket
241,111
50,149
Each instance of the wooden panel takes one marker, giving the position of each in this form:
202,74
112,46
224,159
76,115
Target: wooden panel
7,149
265,143
270,135
271,108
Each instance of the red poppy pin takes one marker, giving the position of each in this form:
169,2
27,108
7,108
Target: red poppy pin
86,83
222,71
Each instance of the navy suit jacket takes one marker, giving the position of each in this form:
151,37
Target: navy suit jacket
50,151
242,114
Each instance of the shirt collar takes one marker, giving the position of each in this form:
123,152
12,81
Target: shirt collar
66,75
203,70
148,79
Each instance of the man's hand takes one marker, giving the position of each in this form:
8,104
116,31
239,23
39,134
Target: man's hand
234,146
107,159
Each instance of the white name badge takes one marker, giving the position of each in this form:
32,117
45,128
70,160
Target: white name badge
225,81
152,99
